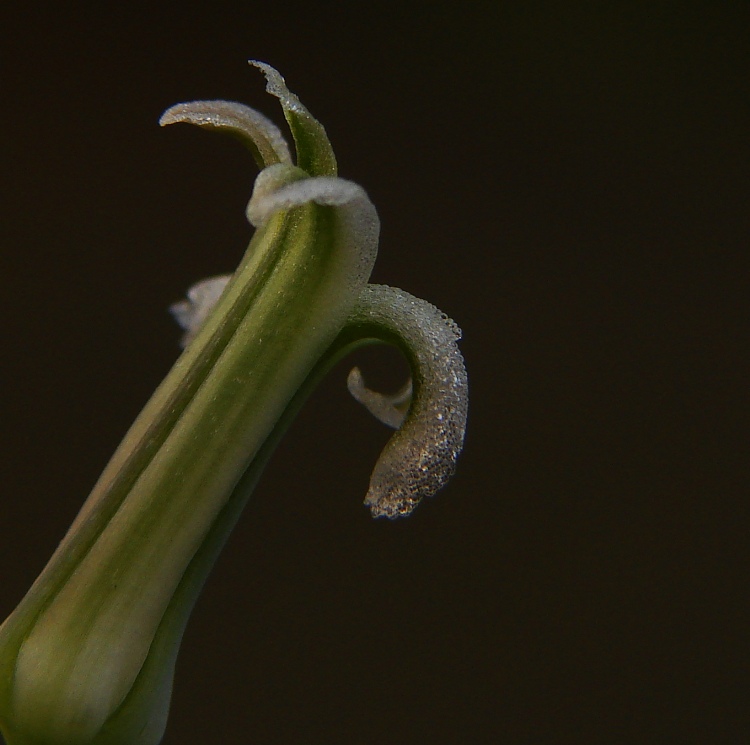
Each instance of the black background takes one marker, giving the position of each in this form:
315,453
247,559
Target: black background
568,181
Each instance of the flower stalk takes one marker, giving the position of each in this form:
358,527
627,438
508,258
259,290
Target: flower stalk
88,656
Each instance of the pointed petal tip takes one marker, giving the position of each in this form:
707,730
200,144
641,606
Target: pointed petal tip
276,86
314,152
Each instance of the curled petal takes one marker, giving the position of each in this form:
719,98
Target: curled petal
421,456
269,197
389,409
357,224
429,412
253,129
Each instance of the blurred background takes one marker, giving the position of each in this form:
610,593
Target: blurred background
570,182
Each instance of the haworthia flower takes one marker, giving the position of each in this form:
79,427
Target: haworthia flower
88,656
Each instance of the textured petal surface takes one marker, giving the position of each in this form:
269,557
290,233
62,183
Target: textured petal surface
421,456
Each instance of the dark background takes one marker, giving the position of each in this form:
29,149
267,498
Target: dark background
570,182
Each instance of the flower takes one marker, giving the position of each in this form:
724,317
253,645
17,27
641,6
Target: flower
88,656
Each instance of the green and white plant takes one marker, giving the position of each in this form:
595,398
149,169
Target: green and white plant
88,656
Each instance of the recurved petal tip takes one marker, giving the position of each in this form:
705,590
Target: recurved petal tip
253,129
421,455
388,408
